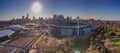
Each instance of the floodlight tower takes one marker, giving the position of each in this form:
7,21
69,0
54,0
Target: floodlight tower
78,26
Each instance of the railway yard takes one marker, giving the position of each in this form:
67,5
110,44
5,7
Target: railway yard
23,43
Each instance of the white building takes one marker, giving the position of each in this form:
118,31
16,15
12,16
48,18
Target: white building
31,25
6,33
77,52
15,27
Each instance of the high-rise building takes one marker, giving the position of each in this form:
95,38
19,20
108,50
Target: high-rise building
27,16
23,17
68,18
55,17
33,17
60,18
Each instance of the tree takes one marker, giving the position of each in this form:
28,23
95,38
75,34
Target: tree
108,43
112,34
59,51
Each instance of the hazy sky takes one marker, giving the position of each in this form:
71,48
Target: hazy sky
98,9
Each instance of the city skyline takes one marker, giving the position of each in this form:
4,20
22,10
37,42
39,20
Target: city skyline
59,26
97,9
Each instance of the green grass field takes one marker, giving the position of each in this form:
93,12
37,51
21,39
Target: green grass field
81,46
116,41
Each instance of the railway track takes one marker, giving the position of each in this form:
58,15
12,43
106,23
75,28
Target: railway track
27,45
24,48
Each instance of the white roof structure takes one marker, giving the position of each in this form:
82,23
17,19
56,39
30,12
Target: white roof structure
6,33
31,24
77,51
15,27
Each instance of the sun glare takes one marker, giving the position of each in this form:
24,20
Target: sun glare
36,7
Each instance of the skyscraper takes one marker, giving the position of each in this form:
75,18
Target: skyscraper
55,17
60,18
27,17
23,17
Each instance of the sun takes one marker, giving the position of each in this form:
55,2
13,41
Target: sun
36,7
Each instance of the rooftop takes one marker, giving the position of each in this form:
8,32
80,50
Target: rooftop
6,33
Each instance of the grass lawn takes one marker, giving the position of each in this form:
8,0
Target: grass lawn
59,37
81,46
118,33
116,41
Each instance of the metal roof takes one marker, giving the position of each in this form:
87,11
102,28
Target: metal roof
6,33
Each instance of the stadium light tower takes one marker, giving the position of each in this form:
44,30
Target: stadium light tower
78,26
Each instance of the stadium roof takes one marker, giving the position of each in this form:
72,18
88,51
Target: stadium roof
15,27
6,33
